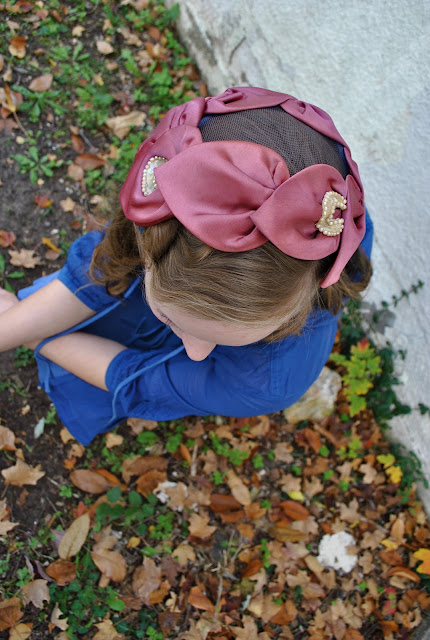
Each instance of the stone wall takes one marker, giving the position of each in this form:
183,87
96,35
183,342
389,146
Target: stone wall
367,64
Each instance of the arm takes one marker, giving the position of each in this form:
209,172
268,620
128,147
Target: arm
50,310
85,355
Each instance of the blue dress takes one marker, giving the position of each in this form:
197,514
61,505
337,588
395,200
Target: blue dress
154,378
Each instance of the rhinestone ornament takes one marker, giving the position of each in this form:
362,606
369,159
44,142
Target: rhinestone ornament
149,184
327,224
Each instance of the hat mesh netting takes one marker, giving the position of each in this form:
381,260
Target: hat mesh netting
299,145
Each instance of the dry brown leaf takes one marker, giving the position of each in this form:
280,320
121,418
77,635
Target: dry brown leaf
107,631
41,83
140,465
313,439
146,579
74,537
199,526
199,601
238,488
36,592
10,613
89,161
10,100
104,47
17,46
24,258
223,502
110,563
6,238
369,473
67,204
184,553
113,440
20,631
294,510
286,534
403,572
21,473
58,620
120,125
89,481
75,172
149,481
77,143
7,439
62,571
137,425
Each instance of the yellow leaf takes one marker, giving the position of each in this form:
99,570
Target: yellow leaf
296,495
74,537
389,544
394,473
424,555
386,459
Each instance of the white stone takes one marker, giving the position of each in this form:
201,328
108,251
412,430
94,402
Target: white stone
318,401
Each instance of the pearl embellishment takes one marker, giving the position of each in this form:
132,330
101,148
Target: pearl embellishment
149,183
328,225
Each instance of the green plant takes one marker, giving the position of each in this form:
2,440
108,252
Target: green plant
234,456
34,165
23,357
361,368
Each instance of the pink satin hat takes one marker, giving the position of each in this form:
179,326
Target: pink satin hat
235,196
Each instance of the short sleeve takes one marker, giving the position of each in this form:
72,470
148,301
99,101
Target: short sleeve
75,273
235,381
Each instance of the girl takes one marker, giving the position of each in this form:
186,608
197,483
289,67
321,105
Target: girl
216,289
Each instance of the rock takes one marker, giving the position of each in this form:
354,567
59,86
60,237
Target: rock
318,401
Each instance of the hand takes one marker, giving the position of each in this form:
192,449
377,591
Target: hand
7,300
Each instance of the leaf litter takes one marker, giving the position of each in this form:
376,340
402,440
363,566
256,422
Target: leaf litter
194,529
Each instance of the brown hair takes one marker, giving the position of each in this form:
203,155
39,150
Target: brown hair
246,288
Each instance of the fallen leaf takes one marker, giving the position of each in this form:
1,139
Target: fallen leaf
36,592
6,525
184,553
107,631
403,572
148,482
199,526
89,161
43,201
74,537
48,242
294,510
21,473
58,620
75,172
89,481
223,502
67,204
113,440
7,439
17,46
120,125
78,31
20,631
199,601
24,258
424,556
41,83
10,613
110,563
238,488
146,579
104,47
6,238
1,62
62,571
